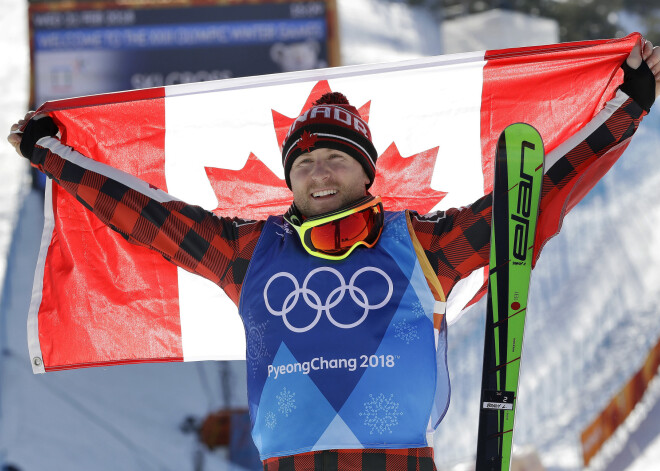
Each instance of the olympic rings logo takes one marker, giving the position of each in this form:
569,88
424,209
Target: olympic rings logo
313,300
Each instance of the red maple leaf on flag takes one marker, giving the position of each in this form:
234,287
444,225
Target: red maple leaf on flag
405,182
255,192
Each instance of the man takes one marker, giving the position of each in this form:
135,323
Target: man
350,371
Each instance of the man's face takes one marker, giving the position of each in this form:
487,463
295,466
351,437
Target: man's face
326,179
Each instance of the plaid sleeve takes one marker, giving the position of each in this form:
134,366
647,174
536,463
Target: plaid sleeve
457,241
191,237
567,165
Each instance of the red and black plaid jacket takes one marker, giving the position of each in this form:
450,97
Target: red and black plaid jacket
456,241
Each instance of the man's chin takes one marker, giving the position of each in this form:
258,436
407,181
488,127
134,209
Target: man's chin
324,204
319,209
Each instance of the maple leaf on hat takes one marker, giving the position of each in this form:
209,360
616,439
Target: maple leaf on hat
307,141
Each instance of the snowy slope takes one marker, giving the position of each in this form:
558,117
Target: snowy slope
13,77
591,319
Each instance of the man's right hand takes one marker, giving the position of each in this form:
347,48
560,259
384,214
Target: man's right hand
36,128
16,136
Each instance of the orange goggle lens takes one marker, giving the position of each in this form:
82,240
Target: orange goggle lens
335,237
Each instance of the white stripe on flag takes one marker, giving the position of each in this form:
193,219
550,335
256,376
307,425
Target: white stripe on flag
211,328
34,343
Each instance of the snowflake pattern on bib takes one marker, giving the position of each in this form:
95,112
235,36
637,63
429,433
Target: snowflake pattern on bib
286,401
256,350
381,413
271,420
407,331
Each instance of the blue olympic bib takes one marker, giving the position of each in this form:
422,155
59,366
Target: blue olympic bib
340,354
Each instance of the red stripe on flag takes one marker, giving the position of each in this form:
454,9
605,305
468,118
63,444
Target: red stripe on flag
555,88
103,99
86,257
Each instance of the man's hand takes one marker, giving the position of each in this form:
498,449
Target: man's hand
36,128
15,136
644,51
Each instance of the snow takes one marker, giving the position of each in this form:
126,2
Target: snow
13,76
497,29
592,316
380,31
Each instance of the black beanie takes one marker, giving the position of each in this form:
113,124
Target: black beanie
332,123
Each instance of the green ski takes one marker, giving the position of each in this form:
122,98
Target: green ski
516,196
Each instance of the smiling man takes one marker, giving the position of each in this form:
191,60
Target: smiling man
350,371
326,179
328,157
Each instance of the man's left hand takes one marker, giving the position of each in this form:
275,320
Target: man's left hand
644,51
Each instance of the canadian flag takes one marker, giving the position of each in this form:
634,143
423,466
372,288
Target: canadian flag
98,300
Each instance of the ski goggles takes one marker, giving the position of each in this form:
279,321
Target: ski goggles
335,235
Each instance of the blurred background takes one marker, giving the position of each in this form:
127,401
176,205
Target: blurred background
589,390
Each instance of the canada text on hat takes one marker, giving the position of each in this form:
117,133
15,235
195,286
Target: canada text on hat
332,122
